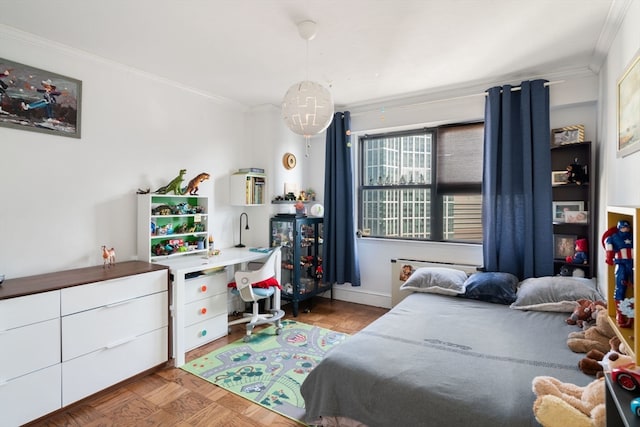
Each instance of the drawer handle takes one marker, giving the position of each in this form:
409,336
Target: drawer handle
203,310
115,304
119,343
203,333
203,288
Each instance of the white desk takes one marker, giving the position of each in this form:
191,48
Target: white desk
180,266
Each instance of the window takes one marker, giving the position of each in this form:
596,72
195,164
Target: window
423,184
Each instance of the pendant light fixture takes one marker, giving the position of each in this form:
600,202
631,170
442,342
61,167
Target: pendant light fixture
307,107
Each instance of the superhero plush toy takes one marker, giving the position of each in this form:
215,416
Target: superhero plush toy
618,244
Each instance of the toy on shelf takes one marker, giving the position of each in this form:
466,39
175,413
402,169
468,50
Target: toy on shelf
618,244
192,186
108,256
577,173
174,185
580,256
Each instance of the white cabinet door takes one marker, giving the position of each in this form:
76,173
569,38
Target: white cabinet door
108,326
88,374
93,295
30,396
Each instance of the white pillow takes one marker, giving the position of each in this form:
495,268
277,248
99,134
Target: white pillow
436,280
554,293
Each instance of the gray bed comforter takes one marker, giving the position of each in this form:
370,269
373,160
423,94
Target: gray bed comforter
437,360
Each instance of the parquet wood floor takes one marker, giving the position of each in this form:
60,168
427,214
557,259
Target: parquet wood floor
173,397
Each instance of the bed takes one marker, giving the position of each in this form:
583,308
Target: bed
451,358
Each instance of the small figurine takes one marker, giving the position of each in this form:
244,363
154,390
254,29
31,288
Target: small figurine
174,185
618,244
192,186
577,173
108,256
580,257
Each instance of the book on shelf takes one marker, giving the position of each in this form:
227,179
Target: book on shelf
251,170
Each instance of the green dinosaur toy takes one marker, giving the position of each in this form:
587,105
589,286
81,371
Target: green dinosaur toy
174,185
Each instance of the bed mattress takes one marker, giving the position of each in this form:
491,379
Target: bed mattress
436,360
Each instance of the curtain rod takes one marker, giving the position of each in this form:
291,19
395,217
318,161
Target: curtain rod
513,89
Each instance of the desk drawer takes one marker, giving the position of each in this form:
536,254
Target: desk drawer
203,332
205,286
20,311
93,295
107,326
205,309
88,374
29,348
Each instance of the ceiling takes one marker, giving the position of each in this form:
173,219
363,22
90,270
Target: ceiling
249,52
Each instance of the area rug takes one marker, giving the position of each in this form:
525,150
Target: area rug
269,369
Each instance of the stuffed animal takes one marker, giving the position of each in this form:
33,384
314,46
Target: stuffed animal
585,311
595,337
613,359
577,173
592,363
561,404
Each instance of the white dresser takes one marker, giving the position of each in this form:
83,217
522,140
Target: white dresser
29,357
67,335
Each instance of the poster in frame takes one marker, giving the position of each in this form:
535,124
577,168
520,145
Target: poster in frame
564,245
628,114
39,100
559,209
567,135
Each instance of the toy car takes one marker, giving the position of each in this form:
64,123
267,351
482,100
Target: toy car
628,379
635,406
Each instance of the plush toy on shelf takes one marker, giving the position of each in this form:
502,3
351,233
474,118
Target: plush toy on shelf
618,244
577,173
580,256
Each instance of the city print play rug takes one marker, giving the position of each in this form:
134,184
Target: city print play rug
269,369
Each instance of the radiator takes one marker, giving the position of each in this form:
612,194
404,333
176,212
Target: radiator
401,268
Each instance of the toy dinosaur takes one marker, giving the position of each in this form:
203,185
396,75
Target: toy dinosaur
192,187
174,185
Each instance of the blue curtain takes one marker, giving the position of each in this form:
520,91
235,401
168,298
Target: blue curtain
516,186
340,253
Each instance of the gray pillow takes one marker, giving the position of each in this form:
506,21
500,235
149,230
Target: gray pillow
436,280
554,293
495,287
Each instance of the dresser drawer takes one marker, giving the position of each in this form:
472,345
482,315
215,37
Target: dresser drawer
86,375
208,330
204,309
20,311
108,326
29,348
86,297
30,396
205,286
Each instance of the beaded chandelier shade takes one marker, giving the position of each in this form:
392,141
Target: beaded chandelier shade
307,107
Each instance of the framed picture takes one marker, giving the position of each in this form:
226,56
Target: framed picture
629,109
567,135
39,100
559,178
559,209
564,245
576,217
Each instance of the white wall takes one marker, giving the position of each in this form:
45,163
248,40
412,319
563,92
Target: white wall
619,177
62,198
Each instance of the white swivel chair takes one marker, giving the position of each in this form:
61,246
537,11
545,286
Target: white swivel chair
245,280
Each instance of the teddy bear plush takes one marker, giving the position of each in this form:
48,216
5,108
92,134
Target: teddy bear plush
561,404
595,337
